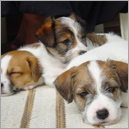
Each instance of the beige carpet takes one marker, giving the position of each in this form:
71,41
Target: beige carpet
43,107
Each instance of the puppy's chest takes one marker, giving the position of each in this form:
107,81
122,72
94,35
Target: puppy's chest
51,70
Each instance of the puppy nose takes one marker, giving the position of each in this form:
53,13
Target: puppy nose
102,114
82,52
2,85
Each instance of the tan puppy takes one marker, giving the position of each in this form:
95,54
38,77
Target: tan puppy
19,69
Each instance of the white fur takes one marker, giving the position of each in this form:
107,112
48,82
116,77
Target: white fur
52,67
95,72
75,27
4,79
102,101
111,50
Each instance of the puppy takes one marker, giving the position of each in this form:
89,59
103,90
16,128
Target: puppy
97,84
63,37
19,70
66,37
96,87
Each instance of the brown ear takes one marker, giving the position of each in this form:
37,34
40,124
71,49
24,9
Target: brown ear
78,19
73,16
46,34
35,67
122,71
64,84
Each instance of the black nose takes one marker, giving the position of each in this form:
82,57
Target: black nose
82,52
2,84
102,114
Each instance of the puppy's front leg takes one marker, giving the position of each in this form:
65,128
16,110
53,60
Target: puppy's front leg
39,82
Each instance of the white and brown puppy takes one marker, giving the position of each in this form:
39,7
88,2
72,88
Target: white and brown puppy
99,86
61,40
65,37
96,87
19,70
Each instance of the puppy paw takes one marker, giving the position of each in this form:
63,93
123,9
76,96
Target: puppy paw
28,87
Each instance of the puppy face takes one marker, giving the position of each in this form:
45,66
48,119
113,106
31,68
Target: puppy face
18,69
96,88
64,37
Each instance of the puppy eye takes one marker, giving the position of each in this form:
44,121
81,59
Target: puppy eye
111,89
83,94
12,73
67,41
83,37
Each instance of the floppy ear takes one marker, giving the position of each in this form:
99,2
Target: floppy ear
46,34
122,71
35,68
64,84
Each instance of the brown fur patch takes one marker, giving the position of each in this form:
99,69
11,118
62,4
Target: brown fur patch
80,102
45,34
54,36
121,69
63,33
116,75
5,54
115,93
73,16
97,39
23,69
64,84
64,36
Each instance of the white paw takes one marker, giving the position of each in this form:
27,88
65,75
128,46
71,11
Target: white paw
28,87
